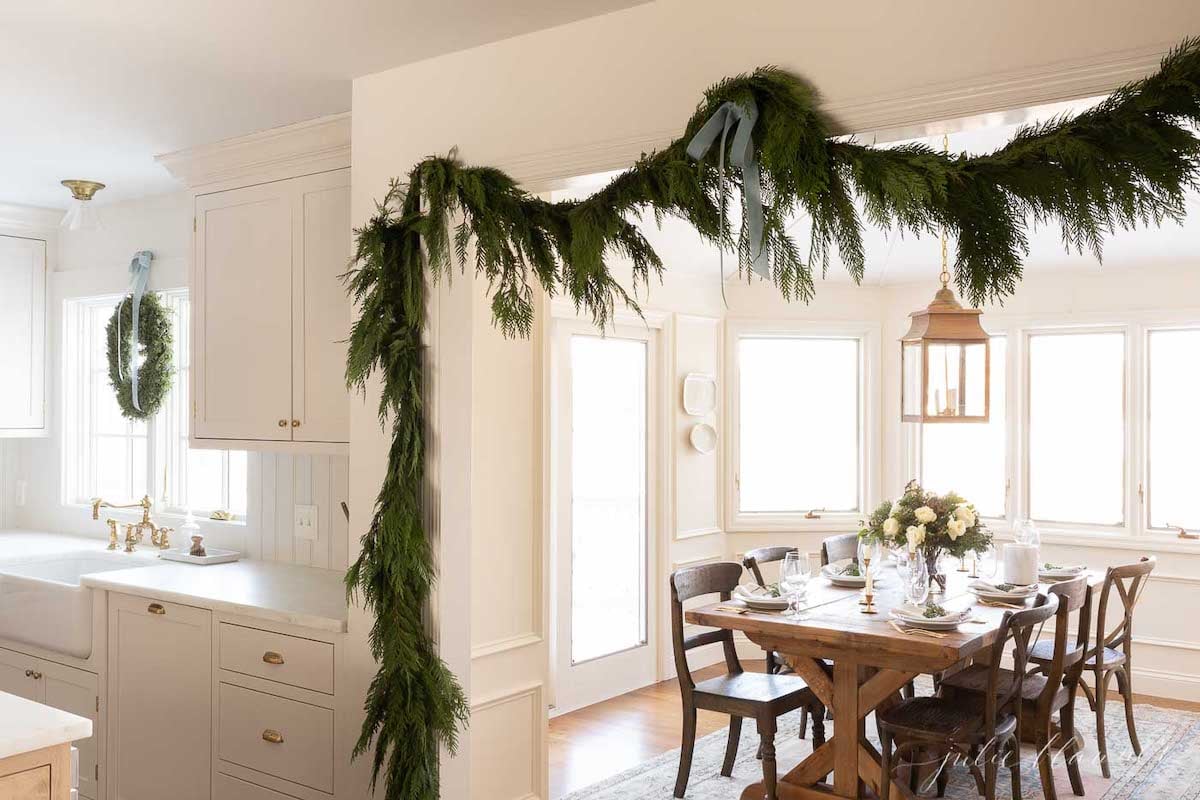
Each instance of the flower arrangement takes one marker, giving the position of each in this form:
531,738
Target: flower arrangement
932,523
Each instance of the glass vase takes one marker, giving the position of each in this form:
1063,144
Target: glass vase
937,578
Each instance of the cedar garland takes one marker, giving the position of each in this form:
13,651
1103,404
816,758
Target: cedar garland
1127,162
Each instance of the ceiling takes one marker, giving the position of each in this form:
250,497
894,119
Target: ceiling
893,259
95,90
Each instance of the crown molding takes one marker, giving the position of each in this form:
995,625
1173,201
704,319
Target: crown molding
922,111
21,219
316,145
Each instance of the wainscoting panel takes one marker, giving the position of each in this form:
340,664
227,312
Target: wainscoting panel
508,763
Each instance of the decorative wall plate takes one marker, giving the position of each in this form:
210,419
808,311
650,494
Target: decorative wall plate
699,394
703,437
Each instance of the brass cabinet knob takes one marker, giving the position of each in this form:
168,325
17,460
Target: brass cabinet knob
283,423
28,673
274,737
156,608
295,423
32,673
271,657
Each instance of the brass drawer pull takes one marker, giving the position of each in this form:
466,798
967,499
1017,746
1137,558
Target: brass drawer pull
295,423
274,737
271,657
156,608
283,423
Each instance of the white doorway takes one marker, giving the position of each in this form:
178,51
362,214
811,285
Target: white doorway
604,543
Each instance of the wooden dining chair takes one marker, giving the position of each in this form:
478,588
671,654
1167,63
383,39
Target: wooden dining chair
756,695
1049,686
967,727
1112,653
835,548
776,664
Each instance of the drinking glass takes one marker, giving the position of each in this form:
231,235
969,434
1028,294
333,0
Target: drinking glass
916,585
794,574
988,562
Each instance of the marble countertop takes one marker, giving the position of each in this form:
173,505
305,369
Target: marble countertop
26,726
296,595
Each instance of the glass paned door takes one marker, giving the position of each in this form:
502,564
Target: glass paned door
602,450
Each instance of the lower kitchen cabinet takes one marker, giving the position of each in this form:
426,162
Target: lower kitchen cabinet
159,700
64,688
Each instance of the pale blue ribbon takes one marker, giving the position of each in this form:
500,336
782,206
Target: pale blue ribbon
729,116
139,271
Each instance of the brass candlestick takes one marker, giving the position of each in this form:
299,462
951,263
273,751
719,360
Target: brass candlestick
868,599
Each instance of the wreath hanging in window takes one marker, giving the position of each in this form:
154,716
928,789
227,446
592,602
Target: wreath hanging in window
140,388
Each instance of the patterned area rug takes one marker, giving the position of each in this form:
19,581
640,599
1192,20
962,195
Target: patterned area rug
1169,766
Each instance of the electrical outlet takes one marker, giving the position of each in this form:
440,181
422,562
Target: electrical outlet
305,523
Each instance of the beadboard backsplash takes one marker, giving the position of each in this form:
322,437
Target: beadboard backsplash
278,483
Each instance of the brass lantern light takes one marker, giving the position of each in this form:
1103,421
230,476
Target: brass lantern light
945,361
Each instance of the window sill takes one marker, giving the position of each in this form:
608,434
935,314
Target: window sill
167,516
1107,539
823,522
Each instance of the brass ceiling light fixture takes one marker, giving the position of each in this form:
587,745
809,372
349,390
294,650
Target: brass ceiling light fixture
945,358
80,215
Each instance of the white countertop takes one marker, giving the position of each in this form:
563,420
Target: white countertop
26,726
304,596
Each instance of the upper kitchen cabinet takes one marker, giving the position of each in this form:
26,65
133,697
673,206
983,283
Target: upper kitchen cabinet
270,315
23,333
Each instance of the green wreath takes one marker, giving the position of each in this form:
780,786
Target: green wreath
156,342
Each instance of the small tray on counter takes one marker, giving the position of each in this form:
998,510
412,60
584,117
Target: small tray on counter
215,555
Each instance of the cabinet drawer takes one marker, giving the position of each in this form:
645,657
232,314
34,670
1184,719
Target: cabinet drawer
227,787
281,737
277,657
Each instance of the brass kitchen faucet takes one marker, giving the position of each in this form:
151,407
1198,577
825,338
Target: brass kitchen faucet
134,531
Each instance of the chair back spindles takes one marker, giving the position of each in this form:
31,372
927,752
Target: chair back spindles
1016,628
705,579
835,548
1126,583
1067,662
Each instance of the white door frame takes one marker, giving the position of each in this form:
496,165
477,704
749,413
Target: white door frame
593,681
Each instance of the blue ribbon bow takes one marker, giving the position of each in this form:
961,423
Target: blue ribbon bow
728,117
139,270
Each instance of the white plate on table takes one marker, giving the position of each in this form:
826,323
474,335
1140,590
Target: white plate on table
757,598
1060,573
1001,593
914,617
834,573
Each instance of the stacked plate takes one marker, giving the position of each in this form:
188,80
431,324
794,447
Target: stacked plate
1059,572
846,572
1002,592
915,617
759,598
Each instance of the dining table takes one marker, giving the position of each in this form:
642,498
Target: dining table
856,662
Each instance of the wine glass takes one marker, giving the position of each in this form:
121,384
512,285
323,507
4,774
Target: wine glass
916,586
794,574
869,550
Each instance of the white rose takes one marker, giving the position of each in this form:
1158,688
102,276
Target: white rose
891,526
966,514
915,535
956,528
925,514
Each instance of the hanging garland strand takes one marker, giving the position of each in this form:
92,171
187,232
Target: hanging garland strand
155,342
1128,161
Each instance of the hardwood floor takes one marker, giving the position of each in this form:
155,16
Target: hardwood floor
593,743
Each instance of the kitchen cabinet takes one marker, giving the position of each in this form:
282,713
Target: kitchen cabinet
64,688
271,316
23,331
159,700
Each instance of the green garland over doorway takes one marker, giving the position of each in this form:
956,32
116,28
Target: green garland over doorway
1127,162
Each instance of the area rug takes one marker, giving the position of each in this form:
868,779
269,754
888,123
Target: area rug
1169,766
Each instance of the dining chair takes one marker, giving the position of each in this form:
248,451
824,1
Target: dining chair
835,548
755,695
1104,659
776,665
1049,687
966,727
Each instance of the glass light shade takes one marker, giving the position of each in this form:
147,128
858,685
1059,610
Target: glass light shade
944,363
81,216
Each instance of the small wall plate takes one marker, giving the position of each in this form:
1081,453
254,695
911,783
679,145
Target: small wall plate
703,438
699,394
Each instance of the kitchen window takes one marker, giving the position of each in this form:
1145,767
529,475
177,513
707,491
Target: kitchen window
106,455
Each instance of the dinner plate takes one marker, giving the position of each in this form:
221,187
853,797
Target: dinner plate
1061,573
759,601
832,572
945,624
981,590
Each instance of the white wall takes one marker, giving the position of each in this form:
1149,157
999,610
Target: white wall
97,262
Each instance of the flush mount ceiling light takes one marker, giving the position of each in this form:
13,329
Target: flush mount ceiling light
945,359
81,216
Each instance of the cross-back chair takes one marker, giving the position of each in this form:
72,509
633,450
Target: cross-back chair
964,727
759,696
1112,651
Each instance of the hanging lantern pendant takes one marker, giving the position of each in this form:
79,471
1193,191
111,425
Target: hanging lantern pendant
945,361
